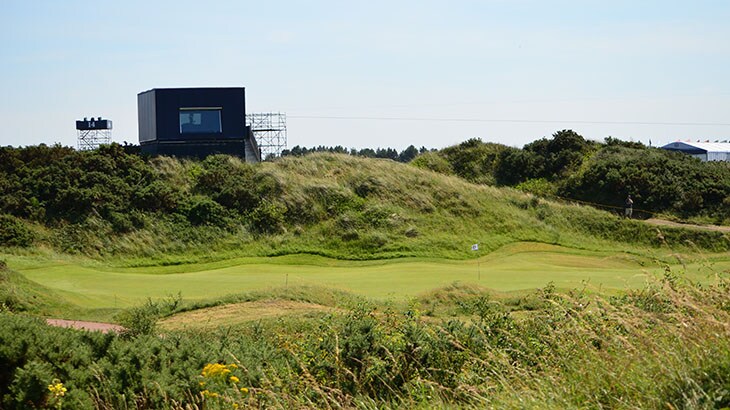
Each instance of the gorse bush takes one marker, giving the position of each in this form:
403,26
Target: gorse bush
569,166
13,232
142,320
268,217
472,160
57,183
665,345
659,180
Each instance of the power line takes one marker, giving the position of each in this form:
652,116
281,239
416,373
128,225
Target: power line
531,101
513,121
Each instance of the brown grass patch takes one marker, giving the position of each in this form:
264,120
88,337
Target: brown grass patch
238,313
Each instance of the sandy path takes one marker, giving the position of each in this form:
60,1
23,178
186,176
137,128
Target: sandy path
663,222
93,326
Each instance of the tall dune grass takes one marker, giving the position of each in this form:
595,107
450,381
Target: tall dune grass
341,207
353,208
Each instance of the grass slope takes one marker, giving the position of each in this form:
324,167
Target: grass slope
351,208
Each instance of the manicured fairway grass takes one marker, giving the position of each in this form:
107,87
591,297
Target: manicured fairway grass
514,267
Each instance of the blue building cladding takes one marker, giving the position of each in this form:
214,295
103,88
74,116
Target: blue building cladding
195,122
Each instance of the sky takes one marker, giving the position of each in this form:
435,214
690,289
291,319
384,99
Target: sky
377,73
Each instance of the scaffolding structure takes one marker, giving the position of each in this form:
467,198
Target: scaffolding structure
93,133
269,129
91,139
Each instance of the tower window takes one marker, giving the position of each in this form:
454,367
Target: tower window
200,120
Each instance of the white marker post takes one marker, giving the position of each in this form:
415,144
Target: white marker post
475,248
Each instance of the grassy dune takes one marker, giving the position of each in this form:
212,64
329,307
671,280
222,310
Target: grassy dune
348,208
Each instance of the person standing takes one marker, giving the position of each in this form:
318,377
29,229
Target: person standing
629,207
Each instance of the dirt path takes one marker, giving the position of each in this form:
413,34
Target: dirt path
662,222
92,326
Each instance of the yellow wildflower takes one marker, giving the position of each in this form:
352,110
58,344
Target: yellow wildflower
57,388
234,379
215,370
244,390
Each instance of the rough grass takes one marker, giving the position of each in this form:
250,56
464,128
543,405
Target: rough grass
666,345
352,208
463,345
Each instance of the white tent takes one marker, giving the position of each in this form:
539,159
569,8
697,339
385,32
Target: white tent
705,151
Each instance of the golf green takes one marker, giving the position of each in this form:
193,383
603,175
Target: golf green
514,267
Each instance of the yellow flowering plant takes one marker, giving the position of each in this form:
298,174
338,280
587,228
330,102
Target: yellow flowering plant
58,391
219,382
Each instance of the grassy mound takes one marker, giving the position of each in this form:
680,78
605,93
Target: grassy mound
167,211
18,294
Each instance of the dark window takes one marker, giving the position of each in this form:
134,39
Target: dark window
200,121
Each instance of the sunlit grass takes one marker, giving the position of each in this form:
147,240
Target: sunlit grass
240,313
514,267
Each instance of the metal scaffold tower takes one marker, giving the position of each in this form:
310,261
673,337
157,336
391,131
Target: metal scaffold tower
93,133
91,139
269,129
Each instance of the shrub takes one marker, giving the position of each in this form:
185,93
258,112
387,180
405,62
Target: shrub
658,180
474,160
141,320
333,199
29,388
268,217
540,186
433,161
370,186
514,166
201,210
158,196
14,232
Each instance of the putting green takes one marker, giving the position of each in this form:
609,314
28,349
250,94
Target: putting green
514,267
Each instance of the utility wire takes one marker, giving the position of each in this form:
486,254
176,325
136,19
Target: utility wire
519,121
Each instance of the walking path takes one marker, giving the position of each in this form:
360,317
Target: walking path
662,222
79,324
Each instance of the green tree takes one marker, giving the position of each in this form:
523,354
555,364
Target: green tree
561,154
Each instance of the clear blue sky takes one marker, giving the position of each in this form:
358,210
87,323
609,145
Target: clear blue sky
384,73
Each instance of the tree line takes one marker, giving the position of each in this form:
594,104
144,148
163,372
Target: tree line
406,155
567,165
